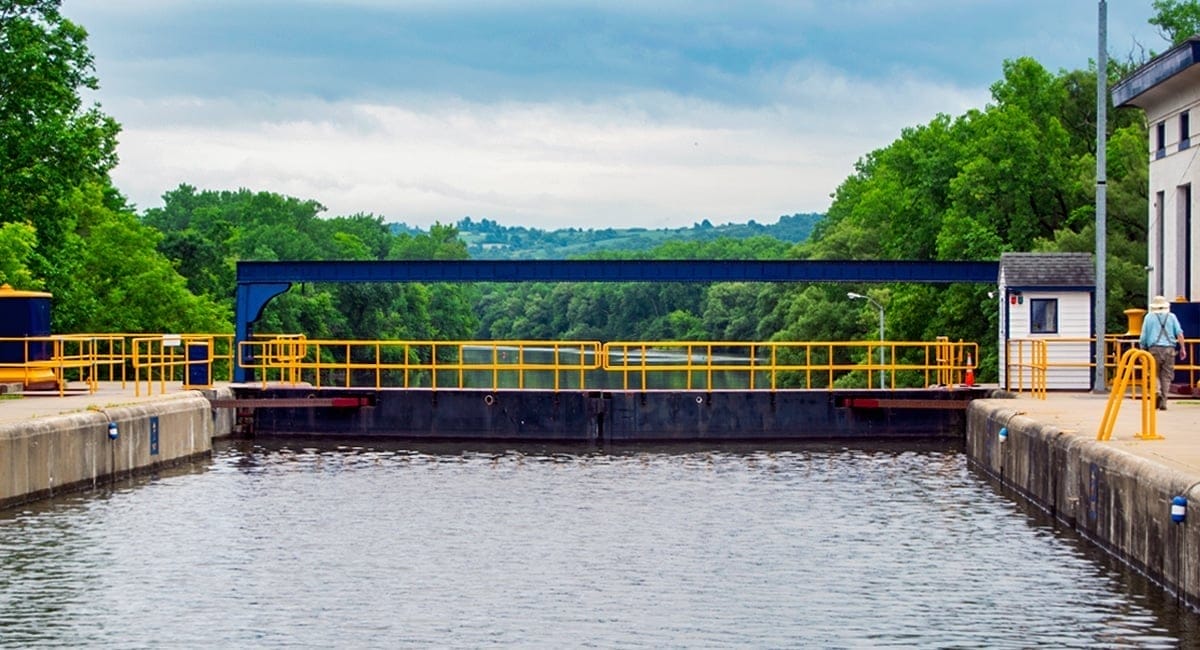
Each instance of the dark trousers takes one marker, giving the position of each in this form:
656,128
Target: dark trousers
1164,358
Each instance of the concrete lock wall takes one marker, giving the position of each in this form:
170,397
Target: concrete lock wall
1115,499
49,455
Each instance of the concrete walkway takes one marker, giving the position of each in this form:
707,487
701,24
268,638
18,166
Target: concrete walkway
37,404
1080,414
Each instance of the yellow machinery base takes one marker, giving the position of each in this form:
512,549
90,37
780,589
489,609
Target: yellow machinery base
30,379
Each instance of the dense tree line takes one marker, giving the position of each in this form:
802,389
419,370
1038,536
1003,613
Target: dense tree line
487,239
1016,175
207,232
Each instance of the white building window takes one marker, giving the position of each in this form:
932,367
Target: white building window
1160,243
1185,131
1043,315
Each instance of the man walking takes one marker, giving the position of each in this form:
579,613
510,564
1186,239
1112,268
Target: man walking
1163,338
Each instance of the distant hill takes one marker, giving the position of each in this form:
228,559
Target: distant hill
487,239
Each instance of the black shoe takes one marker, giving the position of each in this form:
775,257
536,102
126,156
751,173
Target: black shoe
1158,402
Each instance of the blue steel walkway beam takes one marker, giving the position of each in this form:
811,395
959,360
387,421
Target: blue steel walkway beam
258,282
619,271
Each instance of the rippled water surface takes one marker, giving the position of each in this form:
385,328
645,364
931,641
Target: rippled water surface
273,545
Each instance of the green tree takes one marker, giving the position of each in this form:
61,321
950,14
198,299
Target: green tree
50,144
205,233
65,227
18,241
1176,20
125,284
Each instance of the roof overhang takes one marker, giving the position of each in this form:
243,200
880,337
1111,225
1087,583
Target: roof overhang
1162,77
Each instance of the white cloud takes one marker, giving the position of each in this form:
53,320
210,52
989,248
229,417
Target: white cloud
547,112
650,160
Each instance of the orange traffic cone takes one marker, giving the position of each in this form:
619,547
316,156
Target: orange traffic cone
970,372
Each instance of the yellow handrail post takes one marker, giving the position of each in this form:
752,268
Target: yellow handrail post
1131,362
753,361
708,365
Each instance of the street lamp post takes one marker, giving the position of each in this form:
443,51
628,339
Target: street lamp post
857,296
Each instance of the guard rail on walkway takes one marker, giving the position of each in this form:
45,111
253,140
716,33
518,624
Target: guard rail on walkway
421,364
1066,363
198,360
590,365
1136,373
68,361
190,358
1028,365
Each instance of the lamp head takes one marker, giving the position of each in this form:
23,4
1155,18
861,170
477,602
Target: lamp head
851,295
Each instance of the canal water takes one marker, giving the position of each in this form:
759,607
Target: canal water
286,544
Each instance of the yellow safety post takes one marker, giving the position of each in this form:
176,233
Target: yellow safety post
1135,370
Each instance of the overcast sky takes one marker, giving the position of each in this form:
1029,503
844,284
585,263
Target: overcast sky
554,113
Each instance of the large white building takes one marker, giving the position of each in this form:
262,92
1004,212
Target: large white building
1168,90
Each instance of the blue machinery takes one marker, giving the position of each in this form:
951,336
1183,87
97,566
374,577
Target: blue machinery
258,282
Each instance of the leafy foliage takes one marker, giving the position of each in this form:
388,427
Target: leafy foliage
635,311
1176,20
63,227
487,239
18,241
205,233
1017,175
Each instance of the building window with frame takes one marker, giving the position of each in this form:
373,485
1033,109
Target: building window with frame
1043,315
1185,130
1160,140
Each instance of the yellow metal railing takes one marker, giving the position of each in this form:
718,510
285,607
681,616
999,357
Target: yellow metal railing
193,359
626,365
421,364
709,365
1035,363
52,360
1030,358
1137,373
197,360
61,360
1116,346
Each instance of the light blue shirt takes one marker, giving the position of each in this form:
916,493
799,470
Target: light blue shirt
1161,329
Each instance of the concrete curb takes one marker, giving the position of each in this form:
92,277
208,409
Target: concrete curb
45,456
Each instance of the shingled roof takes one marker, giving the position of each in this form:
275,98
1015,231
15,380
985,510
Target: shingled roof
1047,270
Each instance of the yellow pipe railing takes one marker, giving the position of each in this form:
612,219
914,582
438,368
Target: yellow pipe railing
162,358
151,359
641,365
1030,358
1032,362
92,358
748,365
55,360
1136,372
425,364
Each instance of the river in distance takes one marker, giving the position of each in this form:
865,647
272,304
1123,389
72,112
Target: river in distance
335,545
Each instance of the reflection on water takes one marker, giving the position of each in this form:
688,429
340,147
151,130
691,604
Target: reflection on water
302,544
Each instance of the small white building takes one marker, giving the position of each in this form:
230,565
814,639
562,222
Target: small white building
1168,90
1046,297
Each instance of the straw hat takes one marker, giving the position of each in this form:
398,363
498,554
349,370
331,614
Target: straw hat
1159,305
